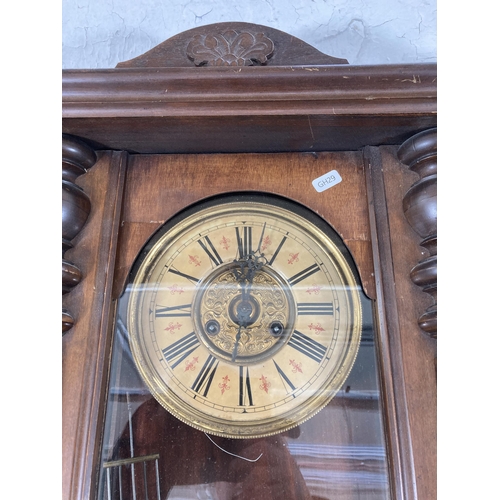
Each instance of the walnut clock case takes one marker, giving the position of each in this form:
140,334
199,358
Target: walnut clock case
230,329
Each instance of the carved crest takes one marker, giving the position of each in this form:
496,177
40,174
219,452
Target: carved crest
231,44
230,48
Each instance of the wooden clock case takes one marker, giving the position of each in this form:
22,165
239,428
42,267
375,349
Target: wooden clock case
237,106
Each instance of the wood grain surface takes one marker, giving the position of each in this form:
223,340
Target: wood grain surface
419,352
159,186
226,46
249,109
156,187
86,346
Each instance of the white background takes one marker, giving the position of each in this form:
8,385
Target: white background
102,33
40,37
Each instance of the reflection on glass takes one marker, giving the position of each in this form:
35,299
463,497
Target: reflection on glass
339,453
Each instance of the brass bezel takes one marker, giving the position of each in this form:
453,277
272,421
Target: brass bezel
336,252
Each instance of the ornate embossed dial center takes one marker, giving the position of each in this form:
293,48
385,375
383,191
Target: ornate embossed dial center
220,299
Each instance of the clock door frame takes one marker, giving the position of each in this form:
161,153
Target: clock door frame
300,101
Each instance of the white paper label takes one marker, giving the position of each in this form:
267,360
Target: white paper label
326,181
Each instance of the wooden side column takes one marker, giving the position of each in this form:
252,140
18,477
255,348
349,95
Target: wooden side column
86,346
419,153
77,158
408,366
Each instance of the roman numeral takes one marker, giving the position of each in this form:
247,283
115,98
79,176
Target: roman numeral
205,377
211,252
303,274
284,378
180,350
174,311
178,273
244,241
275,254
315,308
245,398
307,346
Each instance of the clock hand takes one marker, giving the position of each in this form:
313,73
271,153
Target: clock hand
244,274
242,319
252,262
236,342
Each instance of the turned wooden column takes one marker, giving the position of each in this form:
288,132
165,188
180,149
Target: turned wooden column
77,158
419,153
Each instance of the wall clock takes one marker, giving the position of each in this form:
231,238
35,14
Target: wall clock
244,315
158,136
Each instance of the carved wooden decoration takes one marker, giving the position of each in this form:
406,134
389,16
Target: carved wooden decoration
231,48
231,44
419,153
77,158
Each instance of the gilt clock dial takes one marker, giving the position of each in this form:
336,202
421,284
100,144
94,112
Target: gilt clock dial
244,315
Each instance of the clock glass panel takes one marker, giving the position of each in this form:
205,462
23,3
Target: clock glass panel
244,362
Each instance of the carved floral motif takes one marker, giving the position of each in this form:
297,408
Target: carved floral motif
230,48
